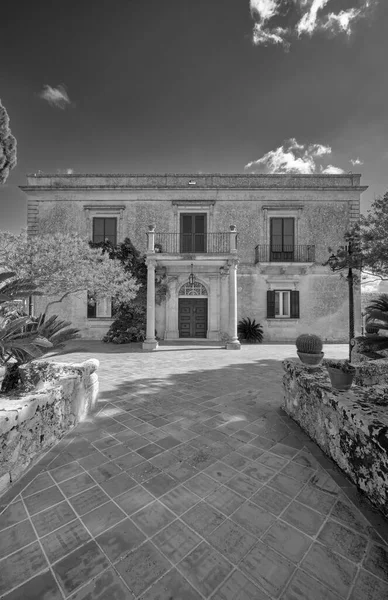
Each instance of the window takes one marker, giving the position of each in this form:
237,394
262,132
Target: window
282,304
102,308
105,229
282,239
193,232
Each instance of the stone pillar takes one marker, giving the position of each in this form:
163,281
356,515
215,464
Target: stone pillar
233,343
150,343
233,239
151,238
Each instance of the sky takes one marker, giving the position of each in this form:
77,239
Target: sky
224,86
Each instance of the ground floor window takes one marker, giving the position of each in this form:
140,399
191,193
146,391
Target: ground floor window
282,304
105,307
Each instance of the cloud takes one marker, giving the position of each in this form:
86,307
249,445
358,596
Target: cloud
293,157
57,97
356,161
309,16
332,170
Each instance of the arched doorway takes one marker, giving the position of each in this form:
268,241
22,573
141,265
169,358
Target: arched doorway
192,310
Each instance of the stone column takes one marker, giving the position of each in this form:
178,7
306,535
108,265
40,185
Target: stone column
233,239
233,343
151,238
150,343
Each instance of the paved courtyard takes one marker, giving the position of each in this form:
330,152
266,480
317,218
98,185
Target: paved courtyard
189,483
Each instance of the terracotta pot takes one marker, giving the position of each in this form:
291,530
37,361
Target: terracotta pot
339,380
312,360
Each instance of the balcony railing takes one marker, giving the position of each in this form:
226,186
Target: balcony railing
193,243
299,254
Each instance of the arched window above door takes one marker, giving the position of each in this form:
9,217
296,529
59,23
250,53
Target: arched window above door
195,289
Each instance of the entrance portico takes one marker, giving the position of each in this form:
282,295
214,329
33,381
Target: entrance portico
201,293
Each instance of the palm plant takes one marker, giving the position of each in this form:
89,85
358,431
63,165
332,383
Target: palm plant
250,331
25,338
377,315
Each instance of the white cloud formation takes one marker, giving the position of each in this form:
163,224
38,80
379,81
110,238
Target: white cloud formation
356,161
57,97
312,16
293,157
332,170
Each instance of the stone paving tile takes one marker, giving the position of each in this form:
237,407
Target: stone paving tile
79,567
205,568
107,585
41,587
267,568
305,587
180,499
346,542
368,587
238,586
16,568
142,567
176,540
253,518
231,540
64,540
203,518
153,517
202,437
330,568
15,537
12,515
120,540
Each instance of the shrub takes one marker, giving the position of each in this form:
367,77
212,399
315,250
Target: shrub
250,331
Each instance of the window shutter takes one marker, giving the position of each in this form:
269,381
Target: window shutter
294,312
270,304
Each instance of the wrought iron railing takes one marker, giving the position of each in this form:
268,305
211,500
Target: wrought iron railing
299,254
192,243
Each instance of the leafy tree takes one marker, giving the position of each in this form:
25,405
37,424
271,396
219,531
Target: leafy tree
61,264
369,244
7,146
130,316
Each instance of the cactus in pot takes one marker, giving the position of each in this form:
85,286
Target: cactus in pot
309,349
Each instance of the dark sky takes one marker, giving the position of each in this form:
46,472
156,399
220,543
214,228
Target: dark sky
178,86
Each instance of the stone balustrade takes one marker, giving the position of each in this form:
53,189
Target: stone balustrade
351,427
62,395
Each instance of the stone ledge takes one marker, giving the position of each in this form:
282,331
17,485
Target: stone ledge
350,427
29,424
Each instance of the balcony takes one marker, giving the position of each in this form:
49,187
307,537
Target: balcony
194,243
285,254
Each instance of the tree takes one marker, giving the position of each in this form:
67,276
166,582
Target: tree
62,264
369,244
7,146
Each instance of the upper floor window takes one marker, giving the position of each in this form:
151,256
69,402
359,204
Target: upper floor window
282,239
105,229
193,232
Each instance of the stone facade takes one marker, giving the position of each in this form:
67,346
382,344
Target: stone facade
350,427
29,424
321,206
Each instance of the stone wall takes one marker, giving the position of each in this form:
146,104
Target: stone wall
29,424
350,427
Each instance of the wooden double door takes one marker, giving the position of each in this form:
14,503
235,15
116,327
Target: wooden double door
192,317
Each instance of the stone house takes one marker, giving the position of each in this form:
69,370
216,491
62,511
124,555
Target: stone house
226,247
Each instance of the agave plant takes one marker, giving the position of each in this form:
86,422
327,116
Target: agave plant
250,331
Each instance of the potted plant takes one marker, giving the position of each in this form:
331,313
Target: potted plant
309,349
250,331
341,373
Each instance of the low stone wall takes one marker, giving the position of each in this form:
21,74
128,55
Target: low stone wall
351,427
29,424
